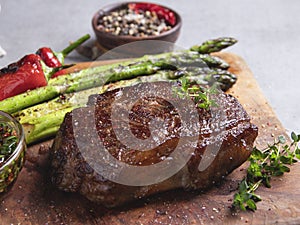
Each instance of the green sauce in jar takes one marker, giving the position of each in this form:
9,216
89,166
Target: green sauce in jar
8,142
12,150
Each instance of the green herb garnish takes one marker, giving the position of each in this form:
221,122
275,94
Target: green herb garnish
264,164
200,94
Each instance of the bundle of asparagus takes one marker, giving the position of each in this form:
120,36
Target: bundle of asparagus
42,110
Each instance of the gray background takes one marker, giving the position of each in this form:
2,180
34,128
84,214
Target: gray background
268,32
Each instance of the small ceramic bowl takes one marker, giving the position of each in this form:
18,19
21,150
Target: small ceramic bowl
11,167
109,41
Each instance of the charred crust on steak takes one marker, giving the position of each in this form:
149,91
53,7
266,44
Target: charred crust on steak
72,173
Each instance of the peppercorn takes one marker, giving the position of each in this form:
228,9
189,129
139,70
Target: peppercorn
137,21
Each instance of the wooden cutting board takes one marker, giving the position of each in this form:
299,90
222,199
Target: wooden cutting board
33,200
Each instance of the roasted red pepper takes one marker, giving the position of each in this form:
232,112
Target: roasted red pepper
26,74
49,57
161,12
32,71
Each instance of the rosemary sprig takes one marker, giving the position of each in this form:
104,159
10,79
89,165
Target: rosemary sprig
264,164
200,94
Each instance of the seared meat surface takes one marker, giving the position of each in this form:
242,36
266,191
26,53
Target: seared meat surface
92,139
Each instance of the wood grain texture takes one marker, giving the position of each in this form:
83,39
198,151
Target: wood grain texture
33,200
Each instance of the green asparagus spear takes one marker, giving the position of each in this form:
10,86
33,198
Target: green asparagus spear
214,45
223,78
33,97
126,70
98,76
44,126
214,62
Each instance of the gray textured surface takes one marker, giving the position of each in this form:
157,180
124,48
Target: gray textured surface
268,33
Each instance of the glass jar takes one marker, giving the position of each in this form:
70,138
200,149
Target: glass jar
10,168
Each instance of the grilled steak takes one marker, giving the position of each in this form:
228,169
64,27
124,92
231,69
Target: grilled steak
101,151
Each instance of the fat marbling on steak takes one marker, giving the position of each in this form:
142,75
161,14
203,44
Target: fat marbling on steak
220,141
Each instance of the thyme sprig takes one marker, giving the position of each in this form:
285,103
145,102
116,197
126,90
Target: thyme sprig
202,96
270,162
